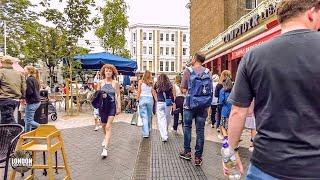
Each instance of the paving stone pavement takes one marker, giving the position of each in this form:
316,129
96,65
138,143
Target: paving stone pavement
130,157
166,164
83,146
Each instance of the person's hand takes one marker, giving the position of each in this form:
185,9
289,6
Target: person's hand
22,101
239,166
174,107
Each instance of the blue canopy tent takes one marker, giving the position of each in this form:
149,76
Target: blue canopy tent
95,61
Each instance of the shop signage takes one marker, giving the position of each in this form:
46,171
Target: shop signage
253,21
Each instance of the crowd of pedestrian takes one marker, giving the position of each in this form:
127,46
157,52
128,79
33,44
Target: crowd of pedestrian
272,97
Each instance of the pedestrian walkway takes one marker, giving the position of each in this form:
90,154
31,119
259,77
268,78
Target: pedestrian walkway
132,157
164,162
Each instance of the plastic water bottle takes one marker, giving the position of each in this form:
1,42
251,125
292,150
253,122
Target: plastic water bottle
229,160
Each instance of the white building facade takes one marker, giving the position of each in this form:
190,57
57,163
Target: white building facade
160,48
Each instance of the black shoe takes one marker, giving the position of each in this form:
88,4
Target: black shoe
197,161
185,155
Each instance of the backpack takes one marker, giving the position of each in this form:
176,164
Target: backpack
200,90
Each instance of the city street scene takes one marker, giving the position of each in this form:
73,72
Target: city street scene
159,89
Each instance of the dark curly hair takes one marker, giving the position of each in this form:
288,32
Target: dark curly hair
163,83
112,68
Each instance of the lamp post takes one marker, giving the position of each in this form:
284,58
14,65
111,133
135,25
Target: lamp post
5,37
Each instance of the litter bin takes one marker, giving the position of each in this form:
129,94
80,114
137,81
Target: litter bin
41,115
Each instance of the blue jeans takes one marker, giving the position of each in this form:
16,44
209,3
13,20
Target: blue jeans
255,173
200,116
145,108
29,116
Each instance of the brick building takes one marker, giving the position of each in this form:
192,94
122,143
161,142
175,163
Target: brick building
225,50
208,18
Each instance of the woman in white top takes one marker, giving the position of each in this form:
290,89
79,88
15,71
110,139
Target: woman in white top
145,97
214,103
178,106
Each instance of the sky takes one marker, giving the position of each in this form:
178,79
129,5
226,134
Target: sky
167,12
164,12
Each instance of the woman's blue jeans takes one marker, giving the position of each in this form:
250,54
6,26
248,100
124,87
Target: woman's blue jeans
29,116
145,108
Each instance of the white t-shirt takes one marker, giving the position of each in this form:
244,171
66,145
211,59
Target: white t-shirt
214,99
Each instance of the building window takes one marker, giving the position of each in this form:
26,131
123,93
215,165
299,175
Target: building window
172,66
150,50
167,66
251,4
144,50
161,36
150,36
184,36
161,50
144,36
167,50
134,51
144,67
150,66
184,51
172,51
161,66
167,37
134,37
172,37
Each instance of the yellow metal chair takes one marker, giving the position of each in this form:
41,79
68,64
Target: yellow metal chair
46,138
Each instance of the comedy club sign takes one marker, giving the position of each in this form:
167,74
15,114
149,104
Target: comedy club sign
253,21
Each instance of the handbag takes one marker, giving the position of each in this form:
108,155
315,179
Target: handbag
169,102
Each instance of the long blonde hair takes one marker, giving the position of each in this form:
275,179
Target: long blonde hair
147,78
32,71
225,74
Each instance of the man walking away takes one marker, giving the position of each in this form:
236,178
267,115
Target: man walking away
197,85
283,75
12,89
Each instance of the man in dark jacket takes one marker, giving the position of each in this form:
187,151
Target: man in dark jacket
12,90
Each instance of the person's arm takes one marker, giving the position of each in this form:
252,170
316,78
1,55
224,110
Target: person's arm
221,97
185,81
154,93
118,97
174,93
237,120
23,87
241,97
99,85
30,87
139,90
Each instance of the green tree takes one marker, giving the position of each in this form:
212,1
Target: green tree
74,21
18,17
112,31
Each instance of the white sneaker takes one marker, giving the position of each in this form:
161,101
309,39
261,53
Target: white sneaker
104,152
220,136
165,140
103,144
96,128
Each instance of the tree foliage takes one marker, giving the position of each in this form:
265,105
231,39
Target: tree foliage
112,31
19,18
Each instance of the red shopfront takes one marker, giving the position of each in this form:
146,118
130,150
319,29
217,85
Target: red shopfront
230,59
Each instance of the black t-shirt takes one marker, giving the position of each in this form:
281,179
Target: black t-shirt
283,75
